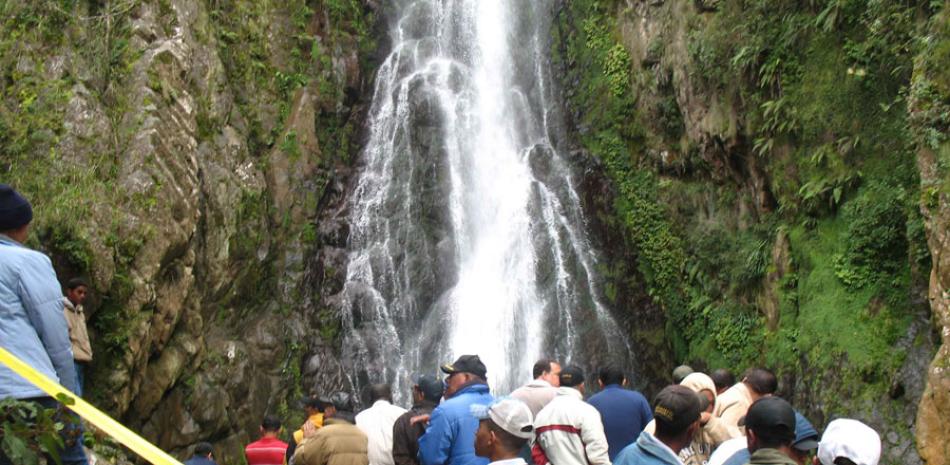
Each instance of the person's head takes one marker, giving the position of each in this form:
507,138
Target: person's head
548,370
770,424
76,290
610,375
503,429
428,388
339,402
381,391
204,449
761,382
724,379
313,405
572,376
806,440
15,214
676,411
466,369
681,372
703,385
270,426
849,442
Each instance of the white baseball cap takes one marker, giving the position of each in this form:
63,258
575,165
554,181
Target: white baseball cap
511,415
850,439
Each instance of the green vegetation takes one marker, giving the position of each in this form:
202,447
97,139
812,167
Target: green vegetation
29,431
811,244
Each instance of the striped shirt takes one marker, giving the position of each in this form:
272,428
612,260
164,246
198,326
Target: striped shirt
266,451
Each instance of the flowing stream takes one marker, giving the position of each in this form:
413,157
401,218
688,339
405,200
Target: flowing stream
466,232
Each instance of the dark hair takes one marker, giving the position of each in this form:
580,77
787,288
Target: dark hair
541,367
271,423
380,391
76,282
203,448
773,438
844,461
509,441
723,378
761,380
611,375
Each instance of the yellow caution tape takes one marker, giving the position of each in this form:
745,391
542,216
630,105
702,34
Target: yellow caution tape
104,422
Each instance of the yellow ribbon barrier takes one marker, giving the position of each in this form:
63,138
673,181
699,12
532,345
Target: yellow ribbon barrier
104,422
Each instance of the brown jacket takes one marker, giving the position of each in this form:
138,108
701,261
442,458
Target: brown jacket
339,442
76,319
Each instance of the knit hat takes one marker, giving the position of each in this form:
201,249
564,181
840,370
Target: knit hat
850,439
15,211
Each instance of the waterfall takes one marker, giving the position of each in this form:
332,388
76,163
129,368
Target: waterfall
466,232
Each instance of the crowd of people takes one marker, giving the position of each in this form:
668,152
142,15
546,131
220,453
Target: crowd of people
700,419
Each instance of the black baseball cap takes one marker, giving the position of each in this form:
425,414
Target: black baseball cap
430,386
676,407
773,415
571,375
313,401
466,364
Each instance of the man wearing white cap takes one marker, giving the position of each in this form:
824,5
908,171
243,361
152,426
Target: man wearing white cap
849,442
503,430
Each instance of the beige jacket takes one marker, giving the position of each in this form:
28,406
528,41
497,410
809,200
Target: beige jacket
78,336
338,443
731,406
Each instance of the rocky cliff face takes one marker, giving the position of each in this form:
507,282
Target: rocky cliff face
930,116
178,154
765,175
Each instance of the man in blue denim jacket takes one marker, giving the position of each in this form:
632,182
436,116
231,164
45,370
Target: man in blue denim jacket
450,437
32,325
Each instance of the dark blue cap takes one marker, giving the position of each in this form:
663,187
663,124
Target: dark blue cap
806,437
15,211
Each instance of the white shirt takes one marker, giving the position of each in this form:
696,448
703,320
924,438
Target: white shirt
514,461
377,422
726,450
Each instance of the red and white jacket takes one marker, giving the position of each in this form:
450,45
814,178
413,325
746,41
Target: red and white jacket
569,432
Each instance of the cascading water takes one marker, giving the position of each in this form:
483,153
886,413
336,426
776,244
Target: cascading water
466,234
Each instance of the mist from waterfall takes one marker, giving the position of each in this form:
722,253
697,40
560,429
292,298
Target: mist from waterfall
466,232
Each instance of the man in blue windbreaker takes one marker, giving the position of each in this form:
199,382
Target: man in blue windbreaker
32,325
450,437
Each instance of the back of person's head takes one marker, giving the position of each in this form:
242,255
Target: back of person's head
571,376
541,367
270,423
761,380
431,387
76,282
849,442
773,422
380,391
723,378
611,375
342,401
203,449
681,372
510,420
675,409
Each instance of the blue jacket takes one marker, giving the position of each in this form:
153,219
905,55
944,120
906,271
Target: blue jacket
624,412
648,450
199,460
32,324
450,437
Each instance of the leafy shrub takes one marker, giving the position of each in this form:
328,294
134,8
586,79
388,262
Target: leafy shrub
876,237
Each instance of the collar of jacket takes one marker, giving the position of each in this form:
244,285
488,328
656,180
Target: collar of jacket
770,457
69,306
653,446
569,391
6,238
612,386
424,404
341,418
474,385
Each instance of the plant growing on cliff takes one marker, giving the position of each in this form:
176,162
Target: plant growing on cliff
29,431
